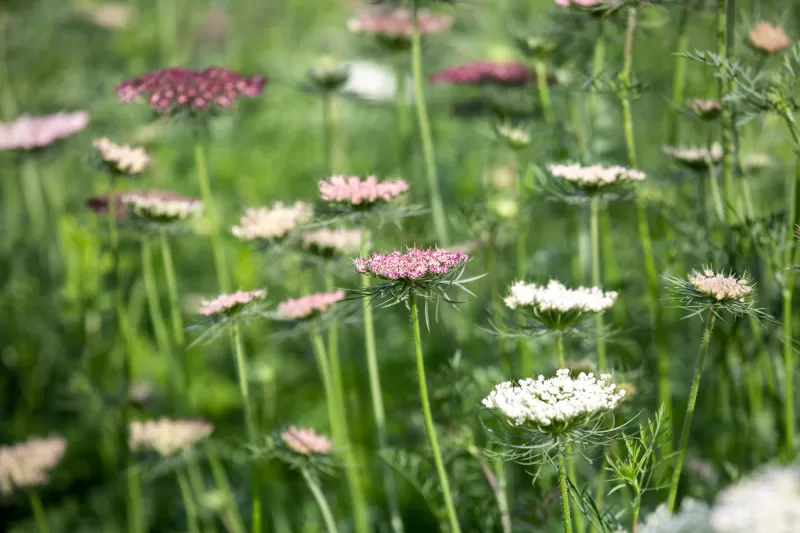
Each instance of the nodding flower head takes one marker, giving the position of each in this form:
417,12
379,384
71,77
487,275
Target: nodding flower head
310,306
328,243
228,305
272,223
161,207
167,437
557,307
415,264
27,464
121,159
595,179
358,193
486,73
768,38
30,133
176,89
306,442
705,109
394,27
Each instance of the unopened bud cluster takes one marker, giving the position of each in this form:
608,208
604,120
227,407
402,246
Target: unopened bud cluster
167,437
306,441
27,464
270,224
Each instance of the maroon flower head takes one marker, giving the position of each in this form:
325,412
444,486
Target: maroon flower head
172,89
415,264
485,73
99,204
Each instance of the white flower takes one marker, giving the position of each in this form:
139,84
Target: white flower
27,464
765,502
333,241
264,223
694,517
693,156
594,176
721,287
123,158
159,206
167,436
556,297
557,401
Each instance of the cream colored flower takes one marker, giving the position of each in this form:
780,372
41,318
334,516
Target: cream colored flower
768,38
125,158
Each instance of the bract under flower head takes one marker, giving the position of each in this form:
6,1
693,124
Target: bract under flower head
694,157
721,287
415,264
29,133
174,89
395,26
306,441
556,306
705,109
595,179
358,193
122,159
554,405
271,224
310,306
486,73
230,304
27,464
161,207
328,242
167,437
768,38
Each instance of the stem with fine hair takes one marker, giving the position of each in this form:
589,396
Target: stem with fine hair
437,207
525,353
679,75
217,249
426,410
571,469
39,516
564,488
376,394
544,92
322,502
725,116
188,501
594,232
687,420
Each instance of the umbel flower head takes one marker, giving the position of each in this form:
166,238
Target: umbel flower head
167,437
306,442
716,291
393,27
310,306
121,159
595,179
267,224
175,89
328,243
705,109
768,38
27,464
557,307
160,207
360,194
486,73
515,137
694,517
693,157
30,133
229,305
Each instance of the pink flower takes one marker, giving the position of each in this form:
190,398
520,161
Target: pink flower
582,3
397,24
227,304
27,132
308,306
360,193
414,264
306,441
484,73
171,89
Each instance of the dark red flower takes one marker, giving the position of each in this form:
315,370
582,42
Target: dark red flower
99,204
171,89
486,73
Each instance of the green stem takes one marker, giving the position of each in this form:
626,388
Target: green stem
134,503
39,516
319,496
598,60
687,420
544,92
562,362
198,488
233,520
426,410
167,29
577,126
719,206
562,484
32,195
327,133
496,486
217,249
594,231
724,91
635,514
439,222
403,118
188,502
172,290
679,76
625,81
151,289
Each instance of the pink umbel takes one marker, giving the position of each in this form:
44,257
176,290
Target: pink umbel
161,206
355,191
27,464
308,306
583,3
228,303
485,73
397,23
176,88
271,223
306,441
338,241
167,437
414,264
28,133
122,158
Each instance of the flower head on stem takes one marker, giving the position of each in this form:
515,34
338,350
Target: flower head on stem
328,75
30,133
306,441
121,159
486,73
360,194
706,110
28,463
167,437
160,207
694,158
270,224
393,27
328,243
310,306
595,180
514,136
768,38
716,292
226,306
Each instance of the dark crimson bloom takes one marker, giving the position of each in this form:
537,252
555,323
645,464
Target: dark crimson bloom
486,73
173,89
99,204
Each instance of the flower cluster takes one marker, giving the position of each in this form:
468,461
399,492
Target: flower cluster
161,207
485,73
172,89
555,305
167,437
705,109
361,193
515,137
583,3
123,159
27,463
306,441
594,178
555,404
269,224
309,306
768,38
229,304
329,242
415,264
696,158
721,287
396,25
111,15
28,133
694,517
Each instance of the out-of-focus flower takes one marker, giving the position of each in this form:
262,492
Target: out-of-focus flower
371,81
28,133
588,4
693,157
27,464
516,137
486,73
556,306
140,392
536,47
161,207
123,159
167,437
99,204
230,304
721,287
331,242
306,441
394,26
768,38
358,193
415,264
173,89
694,517
216,28
328,74
310,306
111,15
595,178
271,224
705,109
756,161
504,206
767,501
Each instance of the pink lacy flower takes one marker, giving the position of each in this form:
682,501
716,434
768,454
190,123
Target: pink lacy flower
306,441
357,192
414,264
27,132
226,304
176,88
397,23
308,306
582,3
485,73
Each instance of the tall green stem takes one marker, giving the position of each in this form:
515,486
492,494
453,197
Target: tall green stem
233,521
679,75
724,91
188,501
687,420
571,468
594,232
319,496
403,118
172,291
426,410
134,503
564,488
327,132
598,60
217,249
31,186
439,222
560,359
544,92
151,289
497,486
39,516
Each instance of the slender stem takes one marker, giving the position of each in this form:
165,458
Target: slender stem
544,92
598,60
151,289
724,90
687,421
562,363
495,486
39,516
233,520
625,81
188,501
525,353
198,488
319,496
135,518
31,186
327,133
426,410
562,484
637,506
172,290
719,206
439,222
403,118
217,249
594,231
577,126
679,75
788,370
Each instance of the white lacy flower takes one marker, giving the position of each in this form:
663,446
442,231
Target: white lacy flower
595,176
693,156
555,296
721,287
765,502
694,517
556,401
161,206
167,436
122,158
264,223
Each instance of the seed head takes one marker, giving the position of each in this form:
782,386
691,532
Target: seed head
27,464
29,133
357,193
705,109
306,441
161,207
331,242
122,159
593,179
486,73
415,264
167,437
721,287
230,304
271,224
309,306
768,38
394,26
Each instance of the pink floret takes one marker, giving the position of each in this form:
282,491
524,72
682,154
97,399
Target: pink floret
306,306
225,303
414,264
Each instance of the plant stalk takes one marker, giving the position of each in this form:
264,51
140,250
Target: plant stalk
679,76
594,232
217,249
544,92
322,502
151,289
188,501
725,117
172,291
39,516
564,488
244,392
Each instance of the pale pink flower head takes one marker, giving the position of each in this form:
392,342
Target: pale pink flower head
27,464
328,242
415,264
768,38
310,306
394,26
358,193
226,305
161,207
121,159
587,4
167,437
486,73
306,441
705,109
29,133
176,89
271,223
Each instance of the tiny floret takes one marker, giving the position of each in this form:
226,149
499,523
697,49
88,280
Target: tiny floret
306,441
270,224
721,287
229,304
124,159
356,192
415,264
594,177
167,437
329,242
309,306
161,207
29,133
768,38
27,464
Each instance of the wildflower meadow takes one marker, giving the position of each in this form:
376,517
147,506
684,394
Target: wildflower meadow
403,266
